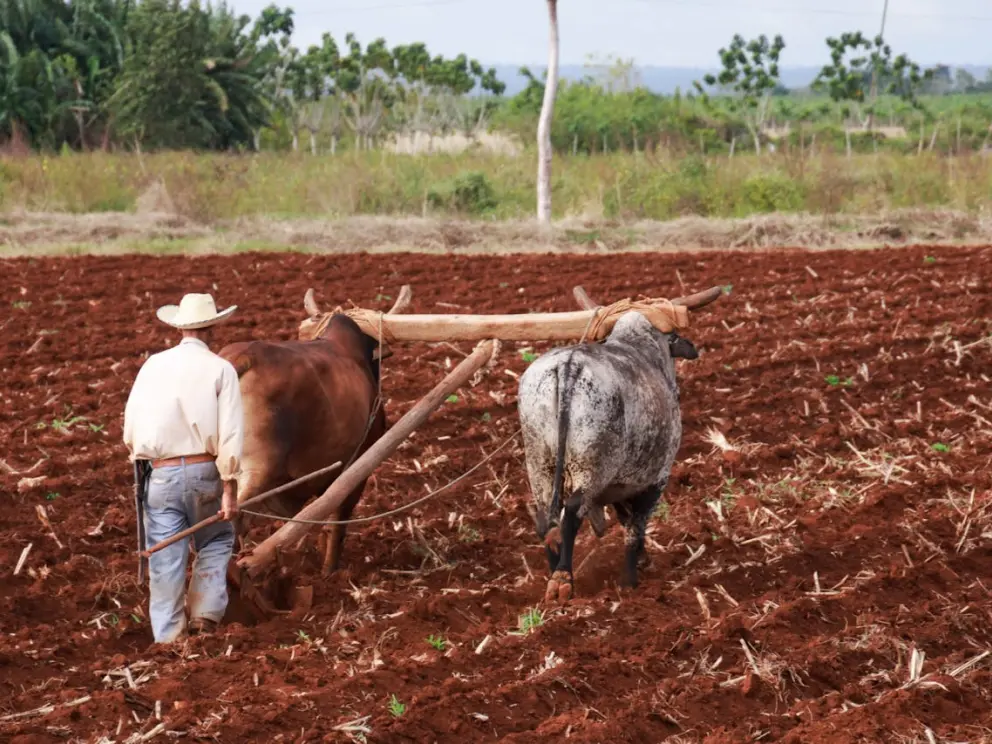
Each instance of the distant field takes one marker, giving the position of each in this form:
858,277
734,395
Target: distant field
210,188
116,233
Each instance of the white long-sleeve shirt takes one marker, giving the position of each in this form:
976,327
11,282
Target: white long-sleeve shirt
186,401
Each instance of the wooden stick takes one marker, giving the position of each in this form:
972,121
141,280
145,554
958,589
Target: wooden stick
22,559
43,516
253,500
327,503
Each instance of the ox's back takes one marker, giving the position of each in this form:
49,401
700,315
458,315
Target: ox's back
615,405
623,422
306,405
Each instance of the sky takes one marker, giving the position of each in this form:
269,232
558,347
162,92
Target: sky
673,33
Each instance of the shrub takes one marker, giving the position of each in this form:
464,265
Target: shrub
469,192
770,192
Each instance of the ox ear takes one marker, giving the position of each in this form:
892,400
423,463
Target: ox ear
682,348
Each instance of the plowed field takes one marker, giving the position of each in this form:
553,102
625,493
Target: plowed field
820,570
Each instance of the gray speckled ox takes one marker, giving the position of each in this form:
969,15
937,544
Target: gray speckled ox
601,427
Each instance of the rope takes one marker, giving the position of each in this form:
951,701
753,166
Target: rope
377,404
322,324
364,317
661,313
585,333
399,509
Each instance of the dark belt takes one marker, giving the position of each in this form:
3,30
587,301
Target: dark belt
169,462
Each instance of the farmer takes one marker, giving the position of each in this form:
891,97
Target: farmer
184,417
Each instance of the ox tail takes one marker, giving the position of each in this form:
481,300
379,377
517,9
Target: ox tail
564,390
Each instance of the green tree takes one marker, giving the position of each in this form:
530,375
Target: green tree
21,104
57,65
750,72
848,76
367,94
474,112
964,81
433,92
167,74
92,57
413,67
193,77
614,74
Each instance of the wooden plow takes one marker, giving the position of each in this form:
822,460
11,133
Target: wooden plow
254,573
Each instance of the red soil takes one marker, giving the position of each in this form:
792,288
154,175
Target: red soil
830,565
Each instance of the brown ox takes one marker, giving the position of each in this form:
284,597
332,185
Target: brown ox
307,405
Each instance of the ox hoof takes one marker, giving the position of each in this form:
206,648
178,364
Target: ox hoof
559,587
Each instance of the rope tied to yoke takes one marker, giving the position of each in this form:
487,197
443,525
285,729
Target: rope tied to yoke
321,326
659,312
371,318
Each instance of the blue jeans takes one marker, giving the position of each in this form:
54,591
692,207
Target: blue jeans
179,497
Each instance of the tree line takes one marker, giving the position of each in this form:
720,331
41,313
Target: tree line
158,74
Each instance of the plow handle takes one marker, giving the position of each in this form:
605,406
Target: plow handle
253,500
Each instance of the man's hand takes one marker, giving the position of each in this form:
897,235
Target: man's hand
229,503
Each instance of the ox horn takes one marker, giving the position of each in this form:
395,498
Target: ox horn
699,299
582,297
402,301
693,301
310,304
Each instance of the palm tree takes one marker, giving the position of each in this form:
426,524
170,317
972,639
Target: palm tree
59,62
21,110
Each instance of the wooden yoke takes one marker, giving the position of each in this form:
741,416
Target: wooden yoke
594,322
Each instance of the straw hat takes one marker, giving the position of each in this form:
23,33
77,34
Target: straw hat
194,311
